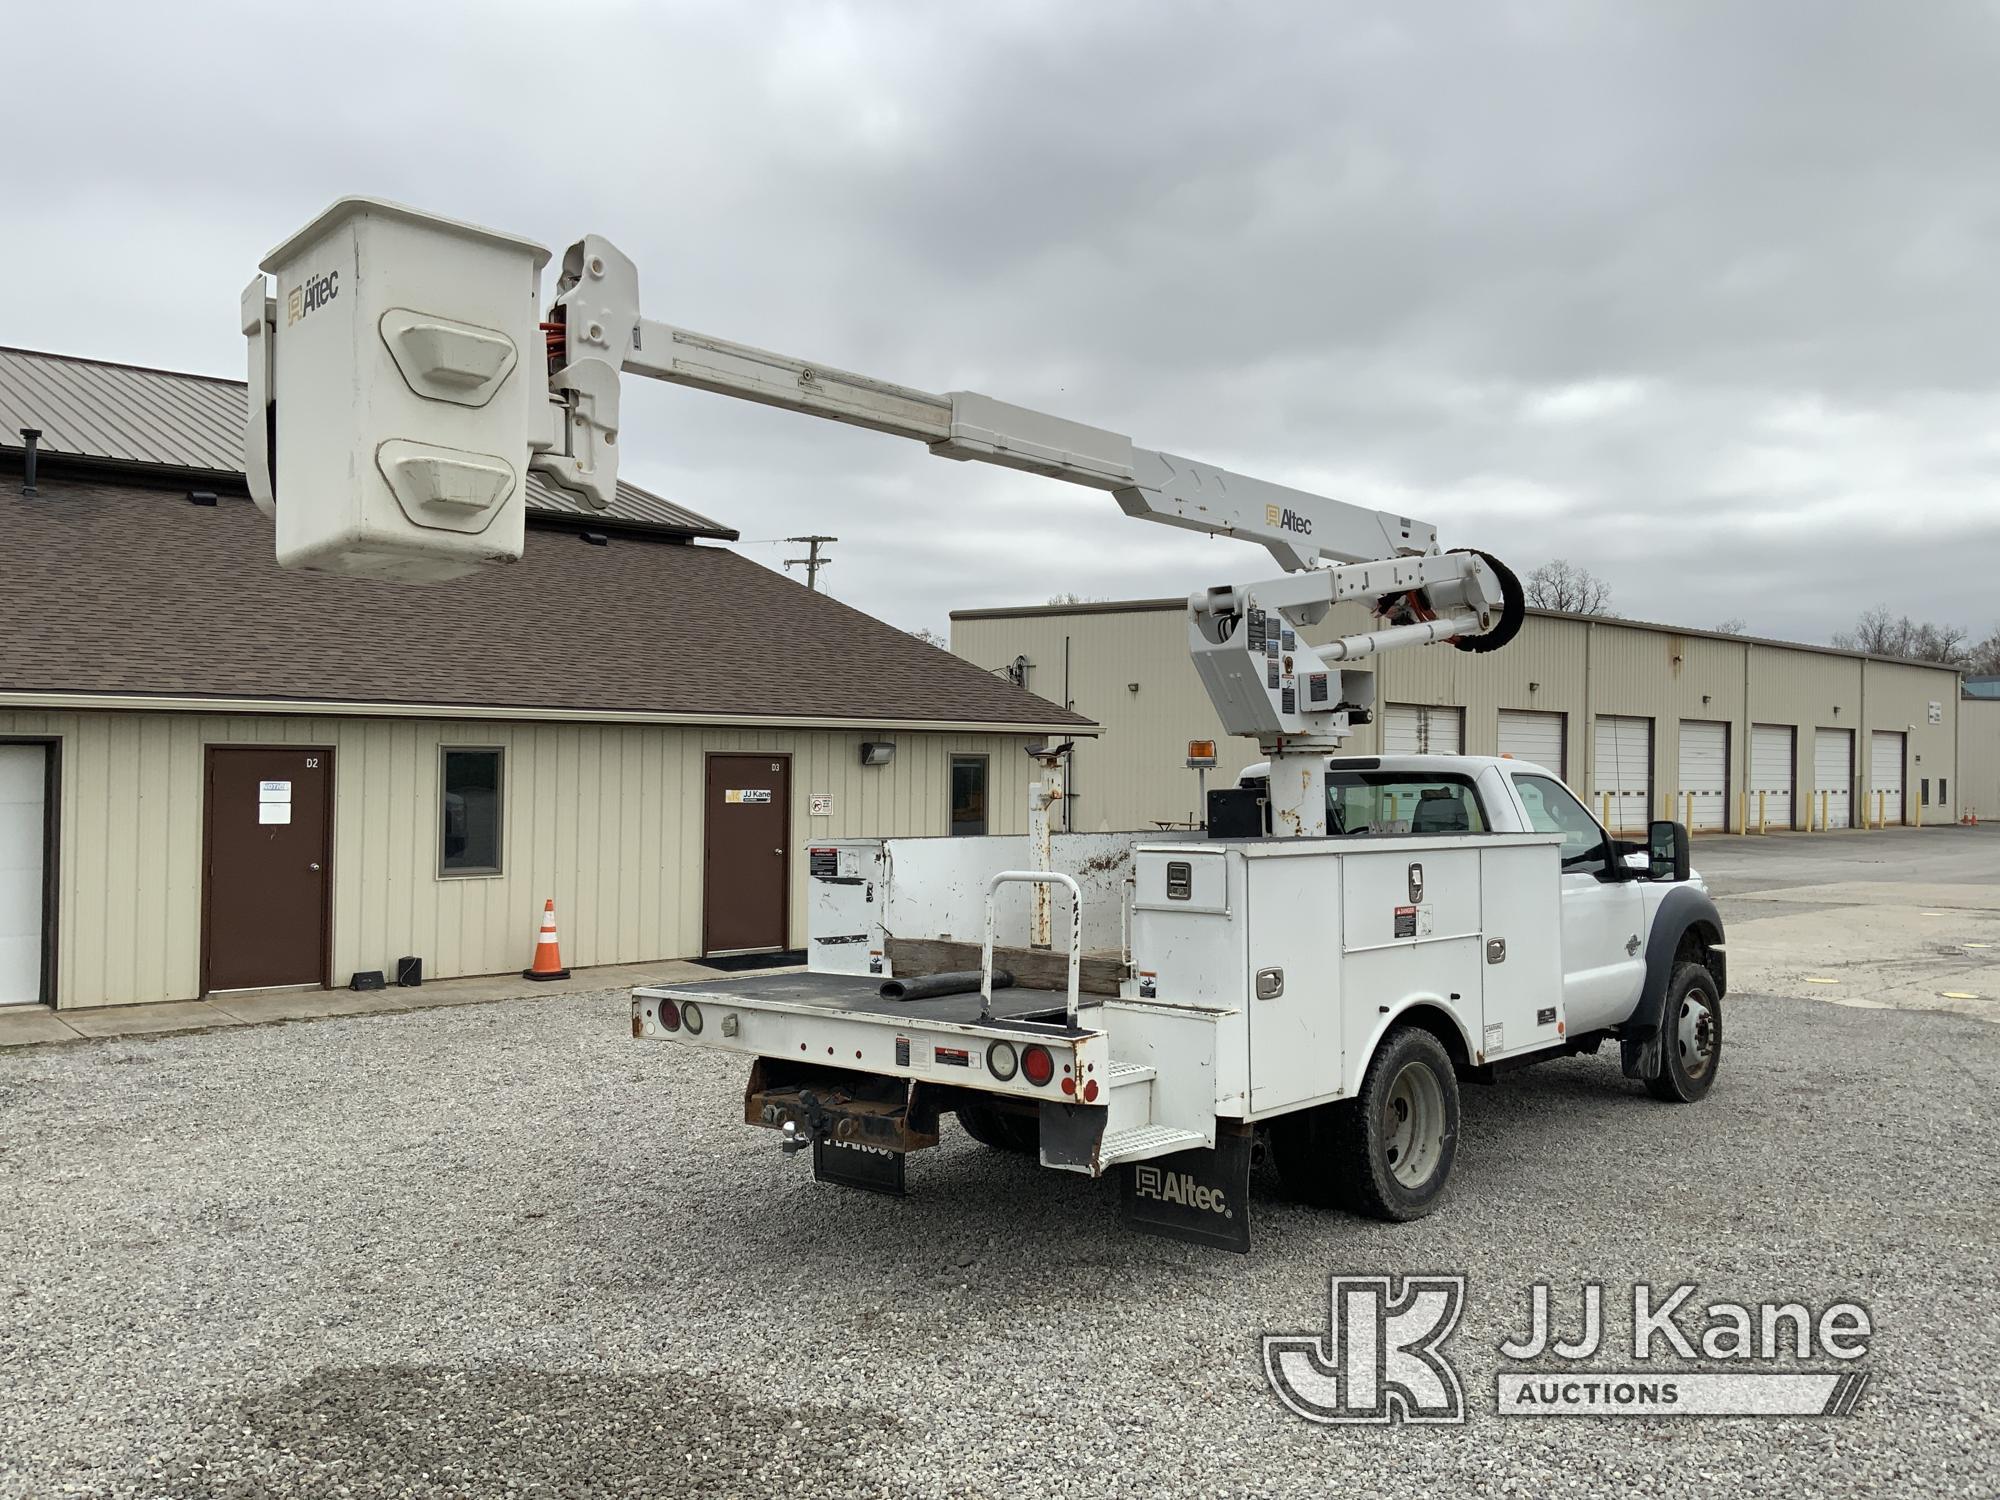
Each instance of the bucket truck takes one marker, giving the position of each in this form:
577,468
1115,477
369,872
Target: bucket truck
1356,936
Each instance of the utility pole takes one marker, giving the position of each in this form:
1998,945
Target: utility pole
811,564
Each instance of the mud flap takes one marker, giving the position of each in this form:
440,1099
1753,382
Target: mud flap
1202,1196
867,1167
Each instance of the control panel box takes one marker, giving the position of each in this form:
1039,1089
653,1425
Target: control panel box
405,370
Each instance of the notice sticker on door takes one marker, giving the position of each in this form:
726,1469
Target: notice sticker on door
274,791
274,812
747,794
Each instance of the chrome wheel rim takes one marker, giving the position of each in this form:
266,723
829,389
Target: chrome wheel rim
1698,1034
1413,1125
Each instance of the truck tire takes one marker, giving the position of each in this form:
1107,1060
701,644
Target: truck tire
1388,1152
1001,1130
1690,1036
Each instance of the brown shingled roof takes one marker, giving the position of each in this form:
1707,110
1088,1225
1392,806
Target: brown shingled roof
131,417
114,588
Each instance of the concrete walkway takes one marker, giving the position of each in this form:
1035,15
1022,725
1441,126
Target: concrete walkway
29,1025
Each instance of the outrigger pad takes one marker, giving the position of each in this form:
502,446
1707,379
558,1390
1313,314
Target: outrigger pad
866,1167
1202,1196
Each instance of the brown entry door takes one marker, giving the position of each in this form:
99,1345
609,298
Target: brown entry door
269,846
747,815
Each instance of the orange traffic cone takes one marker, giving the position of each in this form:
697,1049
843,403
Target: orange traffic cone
548,962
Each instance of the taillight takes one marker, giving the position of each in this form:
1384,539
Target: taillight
1002,1061
691,1018
1037,1066
670,1015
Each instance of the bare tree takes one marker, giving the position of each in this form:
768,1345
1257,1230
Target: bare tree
930,637
1077,599
1734,625
1561,584
1984,658
1880,633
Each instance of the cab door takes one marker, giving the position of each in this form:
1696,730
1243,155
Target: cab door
1603,914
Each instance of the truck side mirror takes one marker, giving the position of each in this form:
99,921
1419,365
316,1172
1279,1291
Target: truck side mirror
1667,851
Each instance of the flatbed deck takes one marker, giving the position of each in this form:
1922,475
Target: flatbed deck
861,995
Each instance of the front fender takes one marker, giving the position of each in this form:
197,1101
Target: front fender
1683,909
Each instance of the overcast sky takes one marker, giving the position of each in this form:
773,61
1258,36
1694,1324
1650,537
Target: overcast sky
1703,297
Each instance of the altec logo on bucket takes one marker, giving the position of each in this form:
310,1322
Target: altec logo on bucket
311,295
1179,1188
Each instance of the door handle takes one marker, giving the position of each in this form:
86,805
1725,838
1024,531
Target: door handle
778,852
313,866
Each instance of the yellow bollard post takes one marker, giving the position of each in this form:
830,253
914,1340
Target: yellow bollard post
1811,802
1760,814
1606,798
1690,812
1825,810
1742,814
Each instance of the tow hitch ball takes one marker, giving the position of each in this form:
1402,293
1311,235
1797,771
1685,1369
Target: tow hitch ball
792,1140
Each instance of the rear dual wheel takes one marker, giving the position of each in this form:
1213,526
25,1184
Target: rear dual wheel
1001,1129
1387,1152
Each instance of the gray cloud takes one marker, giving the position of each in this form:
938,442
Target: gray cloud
1698,295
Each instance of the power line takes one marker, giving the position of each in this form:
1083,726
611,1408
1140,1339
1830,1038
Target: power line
813,563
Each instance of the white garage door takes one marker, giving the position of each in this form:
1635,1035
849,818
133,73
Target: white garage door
1833,774
1624,770
23,784
1416,729
1771,774
1885,775
1704,800
1534,737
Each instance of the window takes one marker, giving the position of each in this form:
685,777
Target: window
968,794
1384,802
1552,809
470,823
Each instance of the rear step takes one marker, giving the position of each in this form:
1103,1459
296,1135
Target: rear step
1144,1142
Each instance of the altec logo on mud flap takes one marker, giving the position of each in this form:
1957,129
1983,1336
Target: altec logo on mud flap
1287,519
311,295
1179,1188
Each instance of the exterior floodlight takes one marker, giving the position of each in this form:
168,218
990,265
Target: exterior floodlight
877,752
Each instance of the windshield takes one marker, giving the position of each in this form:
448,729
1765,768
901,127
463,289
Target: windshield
1382,802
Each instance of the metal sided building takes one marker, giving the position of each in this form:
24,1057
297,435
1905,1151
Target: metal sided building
218,775
1641,718
1979,747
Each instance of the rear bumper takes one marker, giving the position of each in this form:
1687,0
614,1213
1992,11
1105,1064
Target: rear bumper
944,1055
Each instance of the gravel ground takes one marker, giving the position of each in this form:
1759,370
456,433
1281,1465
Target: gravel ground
509,1251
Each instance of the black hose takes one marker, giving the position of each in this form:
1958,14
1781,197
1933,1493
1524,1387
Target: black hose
933,985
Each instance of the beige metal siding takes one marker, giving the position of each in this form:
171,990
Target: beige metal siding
1579,669
1131,673
606,819
1898,696
1976,787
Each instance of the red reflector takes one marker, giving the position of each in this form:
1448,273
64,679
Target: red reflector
1037,1066
1069,1085
1090,1092
670,1015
